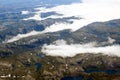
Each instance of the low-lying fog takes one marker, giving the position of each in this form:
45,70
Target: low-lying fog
61,48
90,11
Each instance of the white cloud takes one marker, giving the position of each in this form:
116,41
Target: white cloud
89,10
20,36
24,12
35,17
60,48
57,27
110,40
102,1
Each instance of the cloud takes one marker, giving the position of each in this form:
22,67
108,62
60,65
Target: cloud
110,40
61,48
24,12
37,14
20,36
90,11
102,1
35,17
53,28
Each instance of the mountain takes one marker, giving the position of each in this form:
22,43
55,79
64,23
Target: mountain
99,31
46,40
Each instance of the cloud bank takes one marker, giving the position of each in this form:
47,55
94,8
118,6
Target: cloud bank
61,48
89,10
